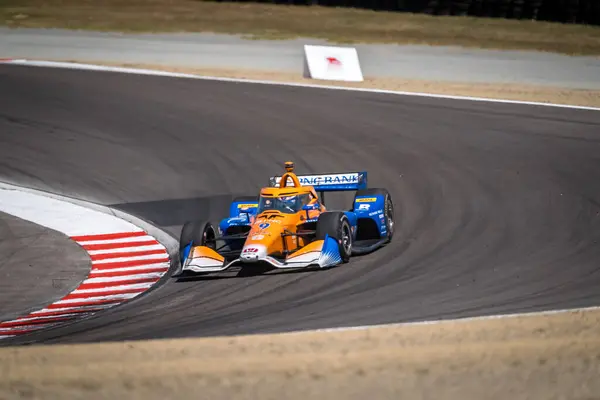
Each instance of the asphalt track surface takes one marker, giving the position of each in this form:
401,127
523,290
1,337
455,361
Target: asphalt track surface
497,205
37,266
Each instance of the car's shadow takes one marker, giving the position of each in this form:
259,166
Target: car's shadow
247,273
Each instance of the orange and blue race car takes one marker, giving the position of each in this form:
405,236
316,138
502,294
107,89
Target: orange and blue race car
288,226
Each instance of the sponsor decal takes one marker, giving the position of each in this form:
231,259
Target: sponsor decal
264,221
364,207
241,205
264,225
257,237
381,216
318,180
250,250
375,213
269,217
366,200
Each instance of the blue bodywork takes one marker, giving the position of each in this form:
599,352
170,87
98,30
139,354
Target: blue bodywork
372,207
239,215
183,255
330,253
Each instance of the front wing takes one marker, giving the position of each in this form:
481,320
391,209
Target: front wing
322,253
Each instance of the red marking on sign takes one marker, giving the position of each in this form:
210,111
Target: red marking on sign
333,61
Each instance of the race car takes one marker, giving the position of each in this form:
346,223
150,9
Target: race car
289,226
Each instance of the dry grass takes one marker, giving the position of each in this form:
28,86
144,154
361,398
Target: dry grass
541,357
543,94
280,22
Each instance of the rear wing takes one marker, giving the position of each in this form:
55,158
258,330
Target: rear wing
330,182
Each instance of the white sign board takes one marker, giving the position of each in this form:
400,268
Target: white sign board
332,63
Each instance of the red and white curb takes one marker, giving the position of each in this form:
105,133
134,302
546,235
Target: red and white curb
126,260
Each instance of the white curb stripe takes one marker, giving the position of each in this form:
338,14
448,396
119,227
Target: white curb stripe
96,299
149,258
18,329
133,286
58,316
71,309
126,249
149,239
132,277
68,218
96,273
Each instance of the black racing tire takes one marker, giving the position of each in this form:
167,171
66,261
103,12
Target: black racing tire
336,225
199,233
388,206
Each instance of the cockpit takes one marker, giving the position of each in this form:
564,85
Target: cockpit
285,204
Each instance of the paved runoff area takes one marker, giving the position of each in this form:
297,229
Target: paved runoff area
449,64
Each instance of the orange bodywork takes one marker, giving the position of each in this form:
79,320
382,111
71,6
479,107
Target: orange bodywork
265,236
270,225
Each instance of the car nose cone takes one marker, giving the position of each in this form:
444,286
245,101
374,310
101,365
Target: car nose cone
253,252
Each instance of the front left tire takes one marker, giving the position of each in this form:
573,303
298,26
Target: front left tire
335,224
199,233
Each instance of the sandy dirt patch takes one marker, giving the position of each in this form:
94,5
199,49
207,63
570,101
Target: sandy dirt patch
540,357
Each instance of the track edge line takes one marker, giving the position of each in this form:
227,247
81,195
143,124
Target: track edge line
154,72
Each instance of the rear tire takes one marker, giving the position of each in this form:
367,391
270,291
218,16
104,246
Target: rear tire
336,225
388,207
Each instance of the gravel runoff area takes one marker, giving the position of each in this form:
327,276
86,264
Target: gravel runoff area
535,357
